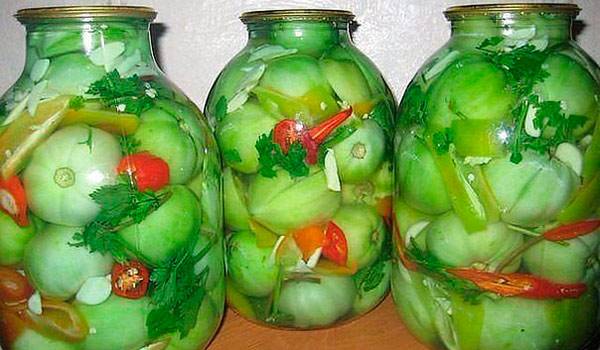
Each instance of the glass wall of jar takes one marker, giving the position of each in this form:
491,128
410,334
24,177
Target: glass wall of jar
110,228
497,185
303,121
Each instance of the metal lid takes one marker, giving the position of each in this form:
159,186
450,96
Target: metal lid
82,12
297,15
491,9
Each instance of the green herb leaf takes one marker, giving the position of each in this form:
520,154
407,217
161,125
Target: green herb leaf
442,140
177,292
221,108
270,155
370,277
490,42
3,111
88,141
130,95
129,144
232,156
412,107
77,102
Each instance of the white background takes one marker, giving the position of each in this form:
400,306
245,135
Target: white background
197,38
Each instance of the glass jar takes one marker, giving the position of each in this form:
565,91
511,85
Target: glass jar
303,121
110,229
497,185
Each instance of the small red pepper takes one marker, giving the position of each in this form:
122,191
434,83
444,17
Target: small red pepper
13,200
570,231
148,171
130,280
289,131
519,284
335,246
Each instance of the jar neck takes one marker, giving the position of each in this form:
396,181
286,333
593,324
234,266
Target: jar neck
513,27
317,32
119,43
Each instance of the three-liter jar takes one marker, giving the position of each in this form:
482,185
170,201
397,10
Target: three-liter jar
110,228
303,121
497,186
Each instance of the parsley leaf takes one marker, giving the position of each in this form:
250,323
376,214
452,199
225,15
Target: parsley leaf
370,277
129,144
121,205
77,102
130,95
442,140
489,42
412,107
177,292
232,156
221,108
270,155
3,111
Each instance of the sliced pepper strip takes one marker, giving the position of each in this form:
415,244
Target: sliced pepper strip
519,284
13,200
130,280
570,231
401,248
309,239
584,202
335,246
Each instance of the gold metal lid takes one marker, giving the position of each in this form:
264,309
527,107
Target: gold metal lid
296,15
83,12
491,9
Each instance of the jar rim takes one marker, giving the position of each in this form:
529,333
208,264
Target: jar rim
455,12
84,12
322,15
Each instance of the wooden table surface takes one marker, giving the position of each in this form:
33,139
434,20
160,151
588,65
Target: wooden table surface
381,329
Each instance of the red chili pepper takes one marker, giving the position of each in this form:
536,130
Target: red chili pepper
13,200
570,231
148,171
520,285
289,131
130,280
335,246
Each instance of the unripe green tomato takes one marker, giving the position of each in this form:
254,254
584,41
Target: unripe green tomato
311,38
420,181
30,339
448,240
371,191
65,169
13,239
119,323
213,260
56,268
165,137
570,83
366,300
249,266
167,229
237,134
562,263
294,75
283,204
532,192
72,74
347,80
364,230
360,155
313,304
207,188
206,325
471,88
406,216
235,210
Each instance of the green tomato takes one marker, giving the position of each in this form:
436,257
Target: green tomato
207,188
236,212
207,323
448,240
367,300
319,304
532,192
166,230
364,230
371,191
541,324
347,80
30,339
13,239
237,134
406,216
168,138
572,84
58,269
65,169
72,74
311,38
414,303
283,204
562,263
119,323
249,266
471,88
420,181
360,155
293,75
213,260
